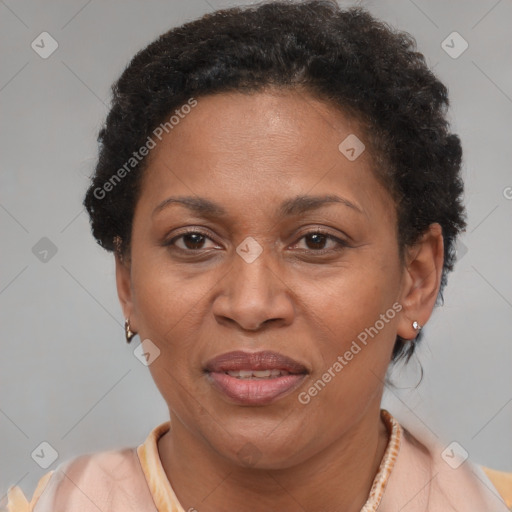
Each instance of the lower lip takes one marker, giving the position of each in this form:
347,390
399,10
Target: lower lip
255,391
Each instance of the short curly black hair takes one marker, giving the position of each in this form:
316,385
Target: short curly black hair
347,58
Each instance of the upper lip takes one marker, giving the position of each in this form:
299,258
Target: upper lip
264,360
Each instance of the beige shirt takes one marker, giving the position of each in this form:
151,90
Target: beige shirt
412,477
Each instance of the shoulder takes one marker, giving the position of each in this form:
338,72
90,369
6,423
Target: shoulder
16,500
503,483
442,478
109,480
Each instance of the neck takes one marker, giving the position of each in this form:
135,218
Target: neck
338,478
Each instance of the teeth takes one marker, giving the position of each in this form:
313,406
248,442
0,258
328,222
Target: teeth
257,374
261,373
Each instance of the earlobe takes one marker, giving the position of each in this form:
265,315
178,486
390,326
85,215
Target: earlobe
124,289
422,279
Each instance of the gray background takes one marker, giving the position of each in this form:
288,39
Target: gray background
66,374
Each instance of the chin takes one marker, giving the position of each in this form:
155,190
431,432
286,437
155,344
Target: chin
262,446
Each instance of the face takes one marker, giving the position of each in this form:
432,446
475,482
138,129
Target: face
274,291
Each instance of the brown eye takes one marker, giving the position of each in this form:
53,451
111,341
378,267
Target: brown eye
193,240
190,241
316,242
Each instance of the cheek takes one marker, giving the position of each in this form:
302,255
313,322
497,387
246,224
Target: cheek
358,308
166,297
352,297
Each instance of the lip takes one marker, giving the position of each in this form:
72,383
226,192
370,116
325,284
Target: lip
261,391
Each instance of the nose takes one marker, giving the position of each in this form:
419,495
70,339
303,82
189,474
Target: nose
253,294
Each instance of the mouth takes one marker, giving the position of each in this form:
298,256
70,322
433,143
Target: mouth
257,378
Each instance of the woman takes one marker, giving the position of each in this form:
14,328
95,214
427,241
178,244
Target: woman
282,195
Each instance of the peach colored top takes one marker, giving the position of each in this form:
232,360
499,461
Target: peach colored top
412,477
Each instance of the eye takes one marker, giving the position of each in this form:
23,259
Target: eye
317,240
190,241
194,240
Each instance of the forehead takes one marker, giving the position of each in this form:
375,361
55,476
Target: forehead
261,147
261,122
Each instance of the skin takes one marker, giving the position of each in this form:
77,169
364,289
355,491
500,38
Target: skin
249,153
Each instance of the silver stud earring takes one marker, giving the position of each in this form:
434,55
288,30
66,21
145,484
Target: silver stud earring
416,326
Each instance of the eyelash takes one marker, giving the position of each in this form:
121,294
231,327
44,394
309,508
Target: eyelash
318,231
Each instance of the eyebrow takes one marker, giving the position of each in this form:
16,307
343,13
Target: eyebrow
294,206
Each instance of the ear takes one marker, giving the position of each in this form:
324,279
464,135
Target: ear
422,279
124,289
